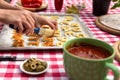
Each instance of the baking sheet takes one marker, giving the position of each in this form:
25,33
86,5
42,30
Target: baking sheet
7,33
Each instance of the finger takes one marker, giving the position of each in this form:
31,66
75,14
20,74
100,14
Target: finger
32,23
20,28
27,27
31,31
37,24
52,25
55,24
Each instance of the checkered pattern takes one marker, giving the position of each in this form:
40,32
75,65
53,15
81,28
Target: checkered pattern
10,70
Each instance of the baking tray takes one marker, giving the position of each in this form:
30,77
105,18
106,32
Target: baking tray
7,33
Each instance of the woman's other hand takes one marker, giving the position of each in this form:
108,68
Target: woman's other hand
40,20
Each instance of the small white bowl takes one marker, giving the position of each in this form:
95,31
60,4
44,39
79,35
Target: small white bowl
33,73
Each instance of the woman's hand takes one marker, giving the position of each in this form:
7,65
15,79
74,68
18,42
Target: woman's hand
21,19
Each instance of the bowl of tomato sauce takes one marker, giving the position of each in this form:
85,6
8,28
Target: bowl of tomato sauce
88,59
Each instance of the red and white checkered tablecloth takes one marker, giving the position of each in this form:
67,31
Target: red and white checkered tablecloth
10,70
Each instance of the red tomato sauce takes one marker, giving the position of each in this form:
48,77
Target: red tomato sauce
89,51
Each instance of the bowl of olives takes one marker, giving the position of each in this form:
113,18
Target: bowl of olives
34,66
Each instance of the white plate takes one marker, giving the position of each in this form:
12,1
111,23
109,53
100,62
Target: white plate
33,73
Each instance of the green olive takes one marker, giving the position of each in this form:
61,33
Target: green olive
27,67
33,66
44,64
40,68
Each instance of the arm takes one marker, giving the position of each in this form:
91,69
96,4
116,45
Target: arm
24,20
6,5
21,19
